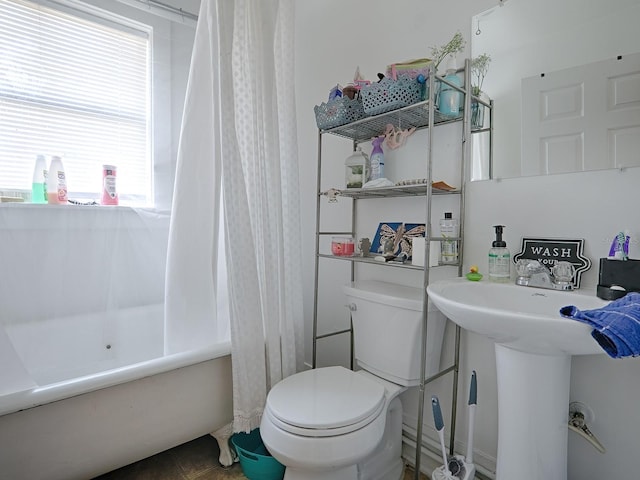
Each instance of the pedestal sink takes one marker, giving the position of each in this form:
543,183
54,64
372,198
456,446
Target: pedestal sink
534,345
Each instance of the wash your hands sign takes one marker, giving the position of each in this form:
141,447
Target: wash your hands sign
549,251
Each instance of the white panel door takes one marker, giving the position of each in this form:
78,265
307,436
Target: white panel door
582,118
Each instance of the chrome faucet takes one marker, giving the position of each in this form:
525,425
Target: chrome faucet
532,273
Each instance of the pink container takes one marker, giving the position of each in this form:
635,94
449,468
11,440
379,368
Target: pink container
342,246
109,193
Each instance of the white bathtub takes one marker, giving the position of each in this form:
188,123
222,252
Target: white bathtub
104,394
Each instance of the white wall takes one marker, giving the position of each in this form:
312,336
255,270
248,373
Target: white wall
332,38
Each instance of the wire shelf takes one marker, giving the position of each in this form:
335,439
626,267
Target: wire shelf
416,115
386,192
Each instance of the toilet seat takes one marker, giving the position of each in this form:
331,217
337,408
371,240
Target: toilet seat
325,402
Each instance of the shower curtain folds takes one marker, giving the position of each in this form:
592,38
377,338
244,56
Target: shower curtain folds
237,185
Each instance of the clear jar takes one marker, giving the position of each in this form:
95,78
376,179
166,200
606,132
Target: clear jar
357,169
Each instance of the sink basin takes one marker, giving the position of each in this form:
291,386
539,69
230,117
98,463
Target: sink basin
522,318
533,346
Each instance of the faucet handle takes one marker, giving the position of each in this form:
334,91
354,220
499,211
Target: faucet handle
523,268
563,272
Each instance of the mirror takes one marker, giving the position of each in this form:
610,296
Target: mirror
527,38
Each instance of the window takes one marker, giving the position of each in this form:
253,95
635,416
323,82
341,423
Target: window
76,84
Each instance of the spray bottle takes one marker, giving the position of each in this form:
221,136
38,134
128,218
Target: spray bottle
377,159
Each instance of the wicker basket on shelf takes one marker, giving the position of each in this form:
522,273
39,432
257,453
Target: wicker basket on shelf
389,94
338,112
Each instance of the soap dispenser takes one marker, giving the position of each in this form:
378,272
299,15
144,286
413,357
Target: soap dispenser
499,259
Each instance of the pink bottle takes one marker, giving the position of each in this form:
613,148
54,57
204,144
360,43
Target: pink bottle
109,193
56,182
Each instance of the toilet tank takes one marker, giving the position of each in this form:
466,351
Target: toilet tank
387,330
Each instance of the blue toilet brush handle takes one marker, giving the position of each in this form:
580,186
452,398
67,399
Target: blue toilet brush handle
437,413
473,401
439,423
473,390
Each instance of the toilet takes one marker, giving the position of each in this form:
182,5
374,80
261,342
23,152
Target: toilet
332,423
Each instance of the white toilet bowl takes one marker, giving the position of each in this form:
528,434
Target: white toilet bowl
325,423
335,424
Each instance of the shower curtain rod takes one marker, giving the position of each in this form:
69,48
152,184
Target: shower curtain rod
168,8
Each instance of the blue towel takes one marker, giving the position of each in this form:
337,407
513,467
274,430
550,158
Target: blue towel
616,325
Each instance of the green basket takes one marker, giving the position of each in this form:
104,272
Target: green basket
256,462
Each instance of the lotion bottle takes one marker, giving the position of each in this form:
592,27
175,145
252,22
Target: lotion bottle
499,259
56,182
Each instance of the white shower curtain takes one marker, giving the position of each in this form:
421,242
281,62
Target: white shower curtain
239,138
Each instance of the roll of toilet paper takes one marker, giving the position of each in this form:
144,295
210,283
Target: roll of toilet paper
417,252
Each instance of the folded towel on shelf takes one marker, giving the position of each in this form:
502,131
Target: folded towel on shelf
616,325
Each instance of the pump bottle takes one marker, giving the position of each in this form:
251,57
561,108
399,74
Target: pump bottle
499,259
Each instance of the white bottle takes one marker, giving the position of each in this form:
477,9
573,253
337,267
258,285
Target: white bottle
449,228
499,259
56,182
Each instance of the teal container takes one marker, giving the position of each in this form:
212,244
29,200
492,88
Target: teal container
256,462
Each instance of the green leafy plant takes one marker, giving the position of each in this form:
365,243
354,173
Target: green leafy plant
455,45
479,68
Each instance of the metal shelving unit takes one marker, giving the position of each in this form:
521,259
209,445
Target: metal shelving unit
422,115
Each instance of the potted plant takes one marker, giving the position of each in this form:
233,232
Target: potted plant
452,47
455,45
479,68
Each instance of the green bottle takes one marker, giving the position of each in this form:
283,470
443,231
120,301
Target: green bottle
39,185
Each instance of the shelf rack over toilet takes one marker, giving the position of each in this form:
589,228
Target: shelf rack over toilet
422,115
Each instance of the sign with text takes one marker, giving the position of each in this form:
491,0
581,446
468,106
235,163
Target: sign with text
549,251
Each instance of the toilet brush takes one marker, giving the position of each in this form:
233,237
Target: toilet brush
470,468
457,467
443,472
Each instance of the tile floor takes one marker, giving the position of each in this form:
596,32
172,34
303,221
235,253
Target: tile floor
194,460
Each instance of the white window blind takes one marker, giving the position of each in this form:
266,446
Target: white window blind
75,86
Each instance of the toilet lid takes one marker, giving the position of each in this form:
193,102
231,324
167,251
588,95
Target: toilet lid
325,401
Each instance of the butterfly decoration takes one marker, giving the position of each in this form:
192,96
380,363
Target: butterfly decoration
393,238
412,230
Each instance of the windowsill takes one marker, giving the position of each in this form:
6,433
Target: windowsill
42,216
